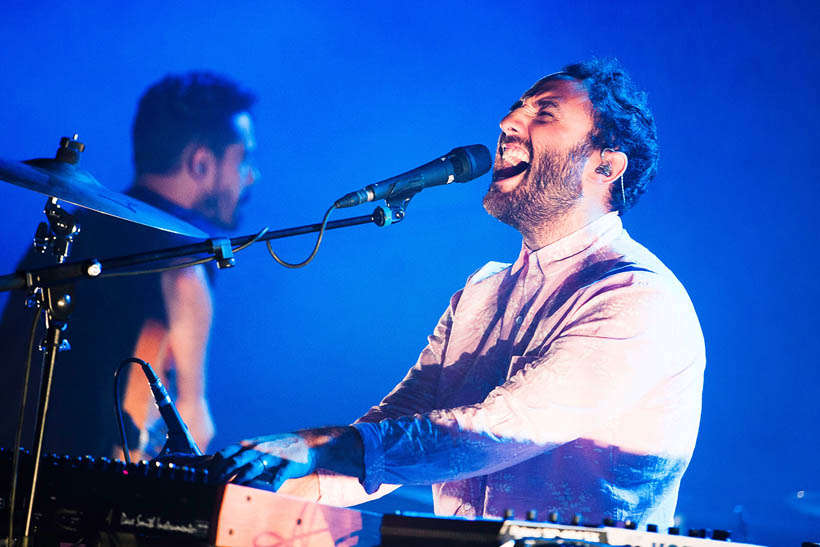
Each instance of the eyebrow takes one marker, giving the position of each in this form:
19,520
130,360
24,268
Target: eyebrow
543,102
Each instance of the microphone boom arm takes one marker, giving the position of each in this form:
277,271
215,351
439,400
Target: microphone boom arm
59,274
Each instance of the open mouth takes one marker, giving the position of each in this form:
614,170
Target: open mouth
513,161
510,171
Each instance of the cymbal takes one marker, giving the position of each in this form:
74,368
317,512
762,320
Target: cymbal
67,182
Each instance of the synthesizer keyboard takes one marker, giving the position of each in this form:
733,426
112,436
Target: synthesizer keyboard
99,502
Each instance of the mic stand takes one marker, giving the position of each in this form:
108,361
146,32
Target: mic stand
220,248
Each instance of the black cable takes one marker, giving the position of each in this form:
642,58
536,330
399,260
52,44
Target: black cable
242,247
118,406
160,270
315,248
15,465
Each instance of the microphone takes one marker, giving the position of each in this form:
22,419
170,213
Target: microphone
178,440
459,165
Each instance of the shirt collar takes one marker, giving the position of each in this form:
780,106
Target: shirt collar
601,230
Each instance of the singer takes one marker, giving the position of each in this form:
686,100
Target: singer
569,381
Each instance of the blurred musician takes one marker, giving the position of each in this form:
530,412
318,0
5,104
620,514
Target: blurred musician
193,140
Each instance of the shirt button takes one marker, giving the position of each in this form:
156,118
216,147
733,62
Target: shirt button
519,320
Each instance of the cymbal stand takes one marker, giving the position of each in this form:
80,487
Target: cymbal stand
55,237
58,305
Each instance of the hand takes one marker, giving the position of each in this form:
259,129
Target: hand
273,458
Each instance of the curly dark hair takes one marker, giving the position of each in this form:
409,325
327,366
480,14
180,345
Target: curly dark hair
180,109
623,121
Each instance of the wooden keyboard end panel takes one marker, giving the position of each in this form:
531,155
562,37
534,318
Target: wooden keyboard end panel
251,517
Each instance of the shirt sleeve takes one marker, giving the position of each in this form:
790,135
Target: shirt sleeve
623,339
415,394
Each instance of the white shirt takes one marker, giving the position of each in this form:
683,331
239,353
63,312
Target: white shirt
569,381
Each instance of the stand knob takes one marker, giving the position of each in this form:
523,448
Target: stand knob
70,150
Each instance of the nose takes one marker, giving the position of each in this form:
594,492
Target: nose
513,123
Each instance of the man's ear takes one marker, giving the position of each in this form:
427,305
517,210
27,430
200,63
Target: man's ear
611,166
201,164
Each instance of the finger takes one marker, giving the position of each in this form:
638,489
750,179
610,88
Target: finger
231,466
279,478
251,471
285,471
227,452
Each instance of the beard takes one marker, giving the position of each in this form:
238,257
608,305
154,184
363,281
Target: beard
213,204
549,188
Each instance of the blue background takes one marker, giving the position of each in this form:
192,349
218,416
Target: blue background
351,93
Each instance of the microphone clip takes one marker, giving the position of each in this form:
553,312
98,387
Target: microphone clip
393,211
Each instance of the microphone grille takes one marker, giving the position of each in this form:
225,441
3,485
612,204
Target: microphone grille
470,162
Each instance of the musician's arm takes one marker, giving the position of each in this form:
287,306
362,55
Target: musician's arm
325,464
189,310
